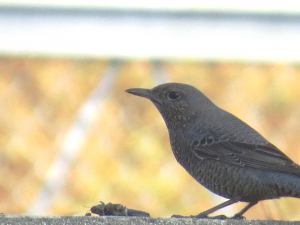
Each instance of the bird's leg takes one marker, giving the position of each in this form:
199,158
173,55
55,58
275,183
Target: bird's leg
239,215
207,212
220,206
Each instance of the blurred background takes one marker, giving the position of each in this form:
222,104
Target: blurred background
71,137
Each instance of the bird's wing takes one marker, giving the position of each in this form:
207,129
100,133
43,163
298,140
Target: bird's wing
265,157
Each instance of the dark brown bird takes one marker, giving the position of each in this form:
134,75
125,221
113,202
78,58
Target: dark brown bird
220,151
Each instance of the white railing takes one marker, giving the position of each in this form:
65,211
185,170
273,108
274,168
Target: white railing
164,33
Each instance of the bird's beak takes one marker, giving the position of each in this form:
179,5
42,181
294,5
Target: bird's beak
146,93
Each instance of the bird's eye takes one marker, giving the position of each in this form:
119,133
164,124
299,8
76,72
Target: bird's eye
173,95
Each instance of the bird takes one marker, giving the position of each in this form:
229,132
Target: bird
220,151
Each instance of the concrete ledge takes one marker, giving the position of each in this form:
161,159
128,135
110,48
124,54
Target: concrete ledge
120,220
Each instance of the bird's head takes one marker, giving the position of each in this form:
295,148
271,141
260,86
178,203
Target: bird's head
174,101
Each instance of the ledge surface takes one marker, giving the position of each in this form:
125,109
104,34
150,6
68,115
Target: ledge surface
118,220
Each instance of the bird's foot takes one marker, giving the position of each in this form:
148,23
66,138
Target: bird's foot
219,217
238,217
179,216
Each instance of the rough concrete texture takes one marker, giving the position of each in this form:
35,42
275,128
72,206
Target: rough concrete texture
114,220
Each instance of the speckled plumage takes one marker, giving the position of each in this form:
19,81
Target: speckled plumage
220,151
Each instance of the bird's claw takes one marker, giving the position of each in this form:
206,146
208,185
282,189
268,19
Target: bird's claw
238,217
179,216
219,217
